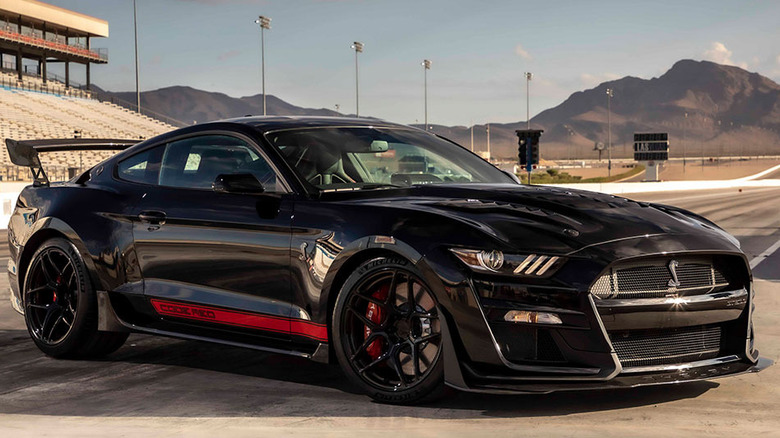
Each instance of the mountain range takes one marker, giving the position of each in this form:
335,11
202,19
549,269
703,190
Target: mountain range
706,108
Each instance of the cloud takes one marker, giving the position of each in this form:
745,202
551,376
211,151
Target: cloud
590,80
777,60
229,54
521,52
719,53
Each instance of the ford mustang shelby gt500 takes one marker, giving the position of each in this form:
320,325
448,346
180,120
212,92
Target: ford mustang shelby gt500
407,259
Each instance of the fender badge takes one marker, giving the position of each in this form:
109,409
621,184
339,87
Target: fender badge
29,218
384,239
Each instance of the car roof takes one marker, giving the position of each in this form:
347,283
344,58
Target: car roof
267,124
272,123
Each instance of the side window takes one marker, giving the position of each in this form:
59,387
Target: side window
143,167
196,162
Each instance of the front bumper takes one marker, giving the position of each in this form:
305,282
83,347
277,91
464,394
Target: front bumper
579,354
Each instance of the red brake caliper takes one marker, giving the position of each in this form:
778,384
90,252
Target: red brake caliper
374,313
54,293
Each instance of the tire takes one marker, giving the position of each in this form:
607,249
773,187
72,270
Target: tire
388,344
61,306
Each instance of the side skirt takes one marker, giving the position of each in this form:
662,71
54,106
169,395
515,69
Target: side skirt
109,321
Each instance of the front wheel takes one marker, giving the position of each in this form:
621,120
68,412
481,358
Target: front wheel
387,333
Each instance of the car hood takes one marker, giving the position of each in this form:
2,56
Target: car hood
548,219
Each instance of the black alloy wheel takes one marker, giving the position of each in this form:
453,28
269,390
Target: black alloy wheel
60,305
388,332
51,296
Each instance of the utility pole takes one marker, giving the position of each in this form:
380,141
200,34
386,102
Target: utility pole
609,131
528,77
265,23
685,124
472,137
358,46
426,66
135,33
487,130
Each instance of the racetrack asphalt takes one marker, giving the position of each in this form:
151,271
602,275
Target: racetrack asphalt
166,387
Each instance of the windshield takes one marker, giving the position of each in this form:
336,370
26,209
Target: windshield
368,157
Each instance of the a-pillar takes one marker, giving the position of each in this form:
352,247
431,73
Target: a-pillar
67,74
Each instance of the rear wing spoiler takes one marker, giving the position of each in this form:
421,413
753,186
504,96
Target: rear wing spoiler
25,152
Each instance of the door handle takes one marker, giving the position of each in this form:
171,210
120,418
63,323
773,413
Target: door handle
152,217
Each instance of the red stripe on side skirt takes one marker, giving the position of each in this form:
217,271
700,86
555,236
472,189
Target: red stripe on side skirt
258,321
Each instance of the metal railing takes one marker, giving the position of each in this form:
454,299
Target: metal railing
75,90
60,89
13,173
31,38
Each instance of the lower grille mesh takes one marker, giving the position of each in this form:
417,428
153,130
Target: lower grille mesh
665,347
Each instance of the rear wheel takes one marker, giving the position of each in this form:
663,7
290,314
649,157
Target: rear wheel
387,334
60,304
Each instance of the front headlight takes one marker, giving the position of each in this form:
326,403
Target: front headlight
527,265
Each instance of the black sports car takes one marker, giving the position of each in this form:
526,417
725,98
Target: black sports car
403,256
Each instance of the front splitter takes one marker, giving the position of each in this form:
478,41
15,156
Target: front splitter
496,385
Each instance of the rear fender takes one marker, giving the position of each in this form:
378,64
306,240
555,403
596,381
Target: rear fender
47,228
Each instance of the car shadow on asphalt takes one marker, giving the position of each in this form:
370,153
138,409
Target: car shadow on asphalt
159,377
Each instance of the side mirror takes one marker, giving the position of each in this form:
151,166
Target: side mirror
244,183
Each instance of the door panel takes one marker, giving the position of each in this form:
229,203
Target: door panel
215,248
210,257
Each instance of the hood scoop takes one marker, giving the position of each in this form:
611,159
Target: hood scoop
489,206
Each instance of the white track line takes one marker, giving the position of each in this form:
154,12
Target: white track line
760,174
722,194
764,255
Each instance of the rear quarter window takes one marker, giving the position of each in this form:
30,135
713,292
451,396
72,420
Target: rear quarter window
143,167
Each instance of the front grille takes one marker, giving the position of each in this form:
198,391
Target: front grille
667,346
653,279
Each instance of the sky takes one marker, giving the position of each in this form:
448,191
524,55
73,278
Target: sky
479,49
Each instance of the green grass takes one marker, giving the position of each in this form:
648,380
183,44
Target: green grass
554,176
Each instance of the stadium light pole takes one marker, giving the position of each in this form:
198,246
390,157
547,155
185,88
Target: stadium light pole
610,94
487,132
135,36
472,137
528,77
685,125
358,46
265,23
426,66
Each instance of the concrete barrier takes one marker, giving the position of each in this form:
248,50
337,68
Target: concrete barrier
619,188
9,192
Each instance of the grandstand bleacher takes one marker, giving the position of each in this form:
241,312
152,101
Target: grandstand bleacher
31,115
36,104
